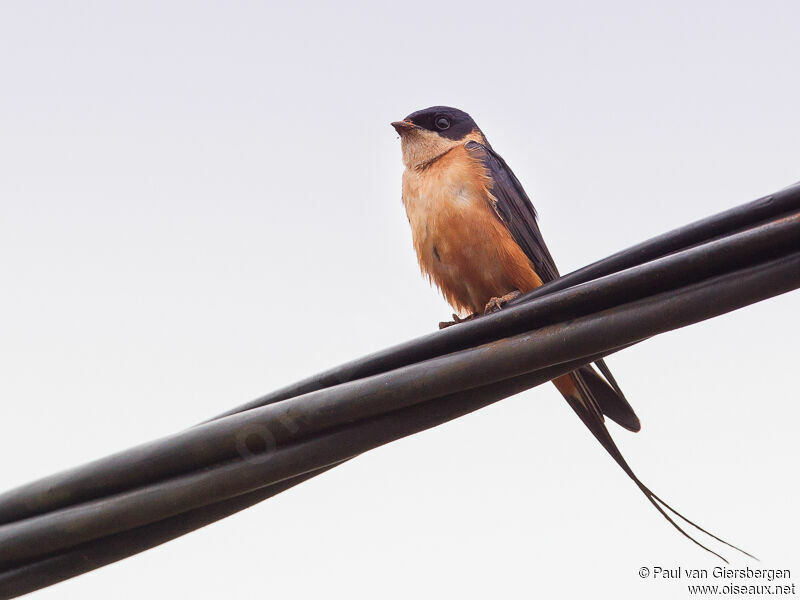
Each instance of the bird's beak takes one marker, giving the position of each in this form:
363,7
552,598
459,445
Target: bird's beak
402,127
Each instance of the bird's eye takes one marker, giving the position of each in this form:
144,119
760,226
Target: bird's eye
442,123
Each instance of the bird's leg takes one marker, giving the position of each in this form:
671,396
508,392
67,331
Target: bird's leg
456,320
496,304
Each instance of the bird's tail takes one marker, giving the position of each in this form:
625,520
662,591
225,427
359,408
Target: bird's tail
584,392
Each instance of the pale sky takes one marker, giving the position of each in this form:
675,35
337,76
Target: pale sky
200,202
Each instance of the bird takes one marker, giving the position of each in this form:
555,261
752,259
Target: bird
476,236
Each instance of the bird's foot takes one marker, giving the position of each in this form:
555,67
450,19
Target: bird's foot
456,320
496,304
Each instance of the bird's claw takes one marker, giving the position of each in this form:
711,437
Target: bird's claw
492,306
456,320
496,304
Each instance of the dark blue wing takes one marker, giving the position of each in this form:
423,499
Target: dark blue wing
516,211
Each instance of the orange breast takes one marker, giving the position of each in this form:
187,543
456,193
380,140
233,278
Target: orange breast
461,245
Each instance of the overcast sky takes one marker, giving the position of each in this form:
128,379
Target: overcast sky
200,202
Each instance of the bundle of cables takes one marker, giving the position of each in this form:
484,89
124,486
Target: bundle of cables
112,508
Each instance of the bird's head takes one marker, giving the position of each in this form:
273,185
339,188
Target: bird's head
431,132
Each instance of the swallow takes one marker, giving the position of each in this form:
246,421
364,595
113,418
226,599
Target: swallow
476,235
